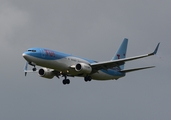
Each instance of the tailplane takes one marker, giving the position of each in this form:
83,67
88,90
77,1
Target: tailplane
136,69
121,53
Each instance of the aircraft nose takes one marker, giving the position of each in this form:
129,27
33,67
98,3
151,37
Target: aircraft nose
25,55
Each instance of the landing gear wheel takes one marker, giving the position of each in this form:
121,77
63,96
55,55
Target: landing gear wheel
34,69
66,81
87,78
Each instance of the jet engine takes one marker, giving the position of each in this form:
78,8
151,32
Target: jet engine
83,68
46,73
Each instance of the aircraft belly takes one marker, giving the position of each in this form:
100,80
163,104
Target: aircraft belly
102,76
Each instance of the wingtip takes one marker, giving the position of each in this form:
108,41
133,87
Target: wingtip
155,51
126,39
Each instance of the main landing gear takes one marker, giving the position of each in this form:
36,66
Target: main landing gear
87,78
66,81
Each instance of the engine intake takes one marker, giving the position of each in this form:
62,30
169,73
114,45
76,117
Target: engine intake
46,73
83,68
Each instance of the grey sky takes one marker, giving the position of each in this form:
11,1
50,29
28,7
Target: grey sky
92,29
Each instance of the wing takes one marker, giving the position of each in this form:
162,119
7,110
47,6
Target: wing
114,63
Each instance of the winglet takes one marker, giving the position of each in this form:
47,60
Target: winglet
155,51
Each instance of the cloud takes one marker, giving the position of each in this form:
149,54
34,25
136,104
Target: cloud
12,20
91,29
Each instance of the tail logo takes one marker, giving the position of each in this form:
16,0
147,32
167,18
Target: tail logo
119,56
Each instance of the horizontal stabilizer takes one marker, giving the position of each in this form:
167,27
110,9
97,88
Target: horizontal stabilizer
30,71
136,69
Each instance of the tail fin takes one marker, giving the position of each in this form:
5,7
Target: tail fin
121,53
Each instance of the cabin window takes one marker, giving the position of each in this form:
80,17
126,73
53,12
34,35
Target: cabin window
32,50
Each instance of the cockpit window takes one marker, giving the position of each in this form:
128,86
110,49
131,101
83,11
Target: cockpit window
32,50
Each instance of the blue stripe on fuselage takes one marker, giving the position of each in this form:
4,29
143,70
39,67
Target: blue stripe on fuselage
47,54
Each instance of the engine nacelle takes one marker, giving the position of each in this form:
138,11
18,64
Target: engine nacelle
83,68
46,73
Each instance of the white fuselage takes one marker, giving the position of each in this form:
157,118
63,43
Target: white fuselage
64,65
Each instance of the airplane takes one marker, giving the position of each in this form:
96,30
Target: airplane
54,63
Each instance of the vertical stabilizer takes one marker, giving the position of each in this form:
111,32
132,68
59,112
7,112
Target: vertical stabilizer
121,53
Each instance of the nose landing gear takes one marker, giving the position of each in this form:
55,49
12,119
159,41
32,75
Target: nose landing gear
34,69
34,65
